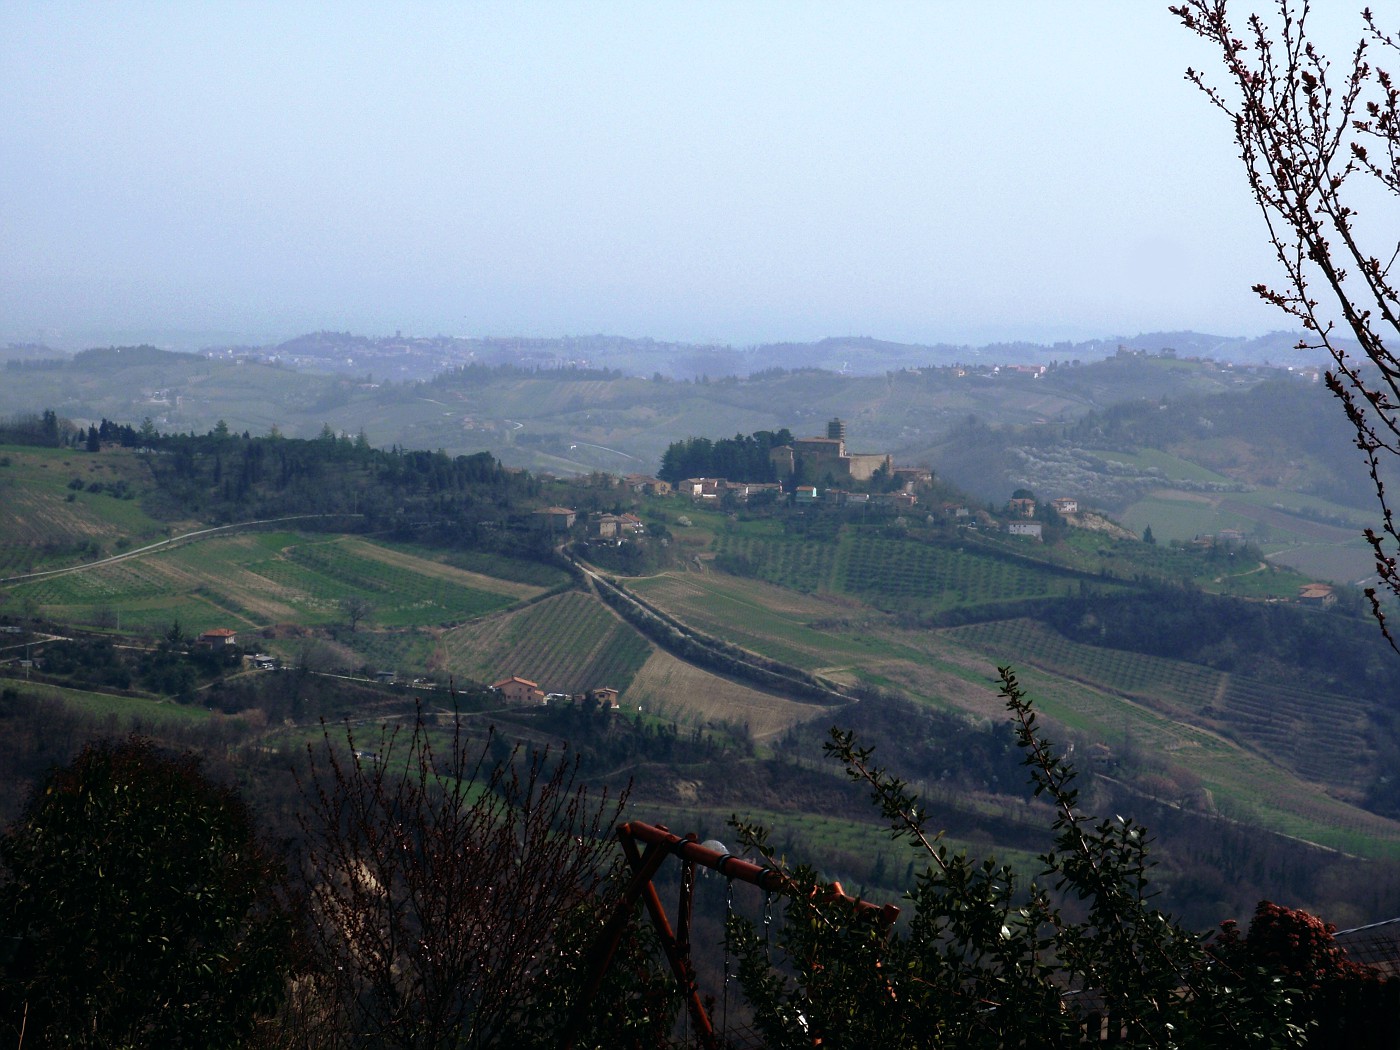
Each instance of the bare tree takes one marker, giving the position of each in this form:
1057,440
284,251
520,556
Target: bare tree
1321,151
356,610
439,871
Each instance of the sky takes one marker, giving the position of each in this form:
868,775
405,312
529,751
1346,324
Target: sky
733,173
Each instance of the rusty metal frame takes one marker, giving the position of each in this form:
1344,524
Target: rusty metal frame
660,842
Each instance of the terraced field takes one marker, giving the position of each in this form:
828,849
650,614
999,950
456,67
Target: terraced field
566,643
258,578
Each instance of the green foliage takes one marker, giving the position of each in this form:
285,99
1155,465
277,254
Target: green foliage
738,458
141,906
989,962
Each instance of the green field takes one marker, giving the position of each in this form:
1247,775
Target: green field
566,643
255,579
128,711
1266,753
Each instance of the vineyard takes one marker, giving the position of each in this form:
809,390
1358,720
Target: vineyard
794,562
1322,737
892,574
899,575
566,643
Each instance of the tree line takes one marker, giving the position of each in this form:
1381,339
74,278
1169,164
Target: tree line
740,458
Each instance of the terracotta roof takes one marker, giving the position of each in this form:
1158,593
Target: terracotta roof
515,678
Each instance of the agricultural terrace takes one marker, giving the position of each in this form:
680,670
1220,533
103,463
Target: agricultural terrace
567,643
63,507
255,579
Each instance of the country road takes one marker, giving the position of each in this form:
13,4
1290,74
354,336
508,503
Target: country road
172,541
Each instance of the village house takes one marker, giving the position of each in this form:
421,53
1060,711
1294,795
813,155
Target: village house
1065,505
646,485
1025,528
606,525
1319,594
519,690
219,639
554,519
910,477
702,488
1022,507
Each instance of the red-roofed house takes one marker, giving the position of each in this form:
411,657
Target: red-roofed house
519,690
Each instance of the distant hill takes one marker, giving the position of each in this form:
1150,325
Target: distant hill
419,357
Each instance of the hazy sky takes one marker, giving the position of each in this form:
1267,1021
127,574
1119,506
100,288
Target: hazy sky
934,171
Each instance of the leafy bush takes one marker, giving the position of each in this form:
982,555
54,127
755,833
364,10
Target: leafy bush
989,962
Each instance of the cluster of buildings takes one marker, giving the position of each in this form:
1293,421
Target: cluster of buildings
1022,510
616,527
517,690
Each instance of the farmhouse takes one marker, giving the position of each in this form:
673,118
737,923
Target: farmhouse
1024,528
1023,507
1065,505
519,690
219,638
646,485
554,519
1319,594
702,488
909,477
605,697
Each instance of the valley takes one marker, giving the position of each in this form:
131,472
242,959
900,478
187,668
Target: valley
903,619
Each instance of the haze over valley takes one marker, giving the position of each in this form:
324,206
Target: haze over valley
953,436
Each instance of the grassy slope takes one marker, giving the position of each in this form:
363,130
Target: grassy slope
42,527
1270,754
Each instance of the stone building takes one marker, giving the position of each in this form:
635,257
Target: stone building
817,458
